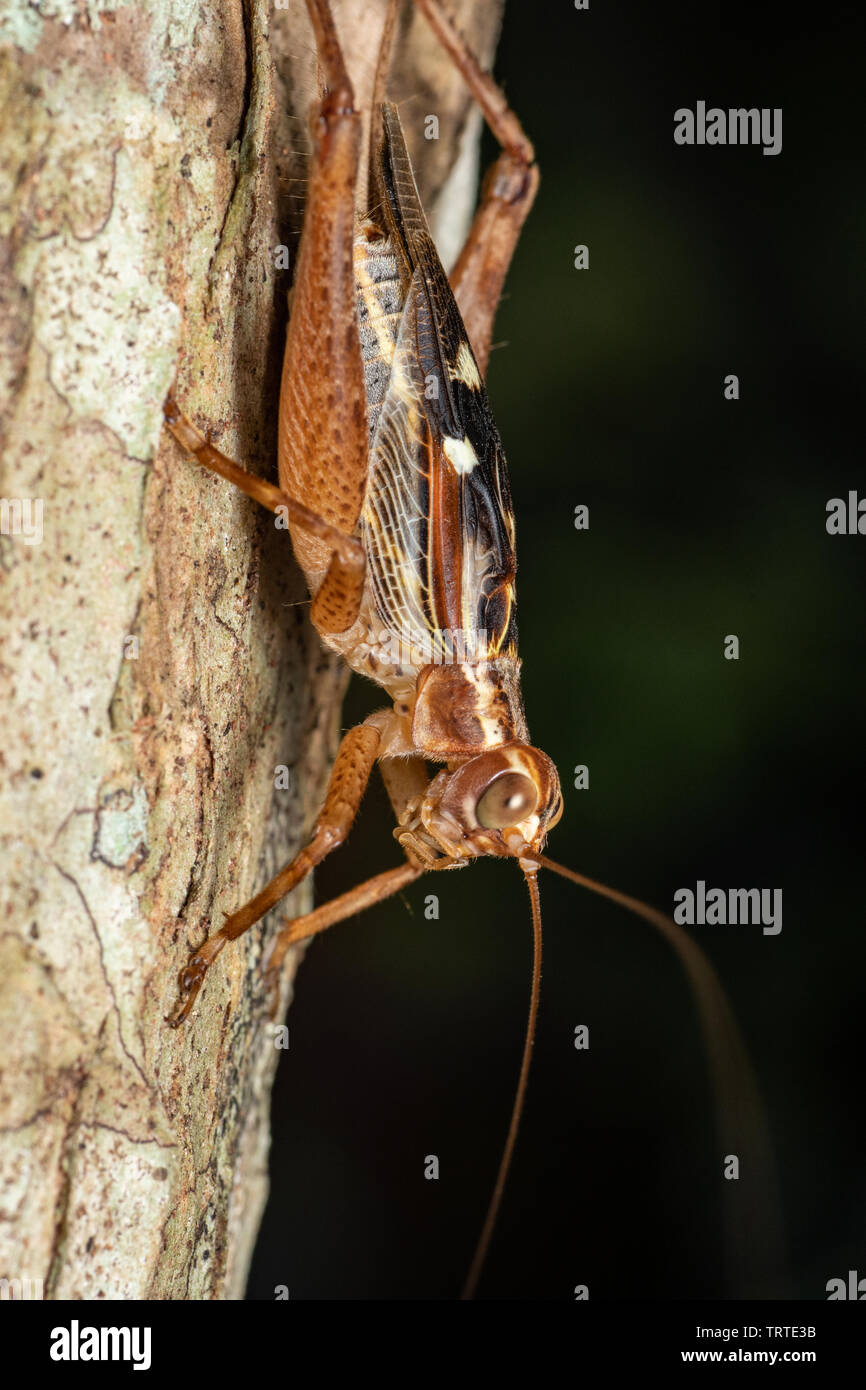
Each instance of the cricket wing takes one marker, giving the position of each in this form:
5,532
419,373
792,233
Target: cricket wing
438,518
438,525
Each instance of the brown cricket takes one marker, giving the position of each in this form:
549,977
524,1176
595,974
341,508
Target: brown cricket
393,480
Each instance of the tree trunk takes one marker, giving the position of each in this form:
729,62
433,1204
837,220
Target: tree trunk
158,665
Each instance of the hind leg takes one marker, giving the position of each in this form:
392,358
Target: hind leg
323,437
323,442
508,195
323,434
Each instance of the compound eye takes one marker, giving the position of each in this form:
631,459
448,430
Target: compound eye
508,800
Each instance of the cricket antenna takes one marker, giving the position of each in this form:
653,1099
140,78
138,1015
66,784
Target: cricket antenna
531,876
754,1225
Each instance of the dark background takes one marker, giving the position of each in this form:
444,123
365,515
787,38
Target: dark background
707,518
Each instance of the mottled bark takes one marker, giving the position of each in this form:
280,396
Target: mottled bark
157,661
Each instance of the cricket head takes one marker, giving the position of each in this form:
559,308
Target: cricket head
499,795
501,802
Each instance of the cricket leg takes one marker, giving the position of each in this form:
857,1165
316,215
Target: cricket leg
508,194
323,435
367,894
191,439
349,778
406,782
338,597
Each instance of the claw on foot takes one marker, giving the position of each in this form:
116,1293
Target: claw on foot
191,977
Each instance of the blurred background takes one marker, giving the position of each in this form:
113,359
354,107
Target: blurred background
707,517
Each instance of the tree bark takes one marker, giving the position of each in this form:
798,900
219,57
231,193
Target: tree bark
158,667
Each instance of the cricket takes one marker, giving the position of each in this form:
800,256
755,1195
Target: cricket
393,480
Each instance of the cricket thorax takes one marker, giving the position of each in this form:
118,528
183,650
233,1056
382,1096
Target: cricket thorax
466,707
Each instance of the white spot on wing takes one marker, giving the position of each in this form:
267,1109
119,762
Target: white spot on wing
467,371
460,454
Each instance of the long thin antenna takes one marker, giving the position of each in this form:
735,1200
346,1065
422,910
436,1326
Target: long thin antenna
519,1096
755,1229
